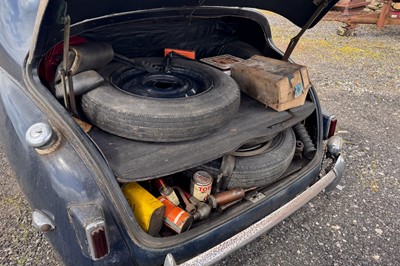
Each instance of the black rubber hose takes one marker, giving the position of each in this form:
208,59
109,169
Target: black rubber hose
302,135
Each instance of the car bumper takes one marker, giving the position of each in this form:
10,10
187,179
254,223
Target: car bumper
239,240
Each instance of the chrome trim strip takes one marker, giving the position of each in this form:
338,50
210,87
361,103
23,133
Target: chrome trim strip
239,240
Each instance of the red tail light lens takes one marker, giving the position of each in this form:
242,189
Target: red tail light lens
97,239
328,124
332,127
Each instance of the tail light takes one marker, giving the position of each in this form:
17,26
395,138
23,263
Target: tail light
329,122
97,239
91,230
332,127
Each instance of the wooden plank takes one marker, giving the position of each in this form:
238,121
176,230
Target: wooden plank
136,161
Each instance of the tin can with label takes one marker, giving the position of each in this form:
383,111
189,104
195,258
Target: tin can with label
166,191
200,185
174,217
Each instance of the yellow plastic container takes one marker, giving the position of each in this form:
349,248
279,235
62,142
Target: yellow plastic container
148,211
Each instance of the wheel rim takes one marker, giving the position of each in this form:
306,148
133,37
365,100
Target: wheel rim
178,82
252,151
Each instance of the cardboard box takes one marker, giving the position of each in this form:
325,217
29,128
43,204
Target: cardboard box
278,84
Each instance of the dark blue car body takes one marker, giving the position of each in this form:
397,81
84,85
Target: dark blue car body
76,174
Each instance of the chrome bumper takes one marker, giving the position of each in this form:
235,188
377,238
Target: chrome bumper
239,240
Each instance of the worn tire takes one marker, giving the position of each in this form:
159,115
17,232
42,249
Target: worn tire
163,120
263,169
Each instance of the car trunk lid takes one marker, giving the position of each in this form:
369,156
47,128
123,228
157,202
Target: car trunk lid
297,11
303,13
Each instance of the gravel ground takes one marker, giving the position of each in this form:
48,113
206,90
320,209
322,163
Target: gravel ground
357,79
20,243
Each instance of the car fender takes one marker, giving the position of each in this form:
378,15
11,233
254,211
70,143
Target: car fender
52,182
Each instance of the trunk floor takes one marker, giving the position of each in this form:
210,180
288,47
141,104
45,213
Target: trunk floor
133,160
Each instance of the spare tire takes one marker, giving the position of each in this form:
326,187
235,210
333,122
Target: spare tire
188,101
263,169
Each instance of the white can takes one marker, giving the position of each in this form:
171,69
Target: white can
200,185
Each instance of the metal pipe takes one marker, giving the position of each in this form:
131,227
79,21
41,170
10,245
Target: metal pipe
372,20
68,86
226,206
228,196
293,42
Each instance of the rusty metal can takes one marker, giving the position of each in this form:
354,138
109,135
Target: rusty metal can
200,185
169,194
166,191
176,218
226,197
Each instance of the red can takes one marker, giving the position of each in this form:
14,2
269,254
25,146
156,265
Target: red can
176,218
201,184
